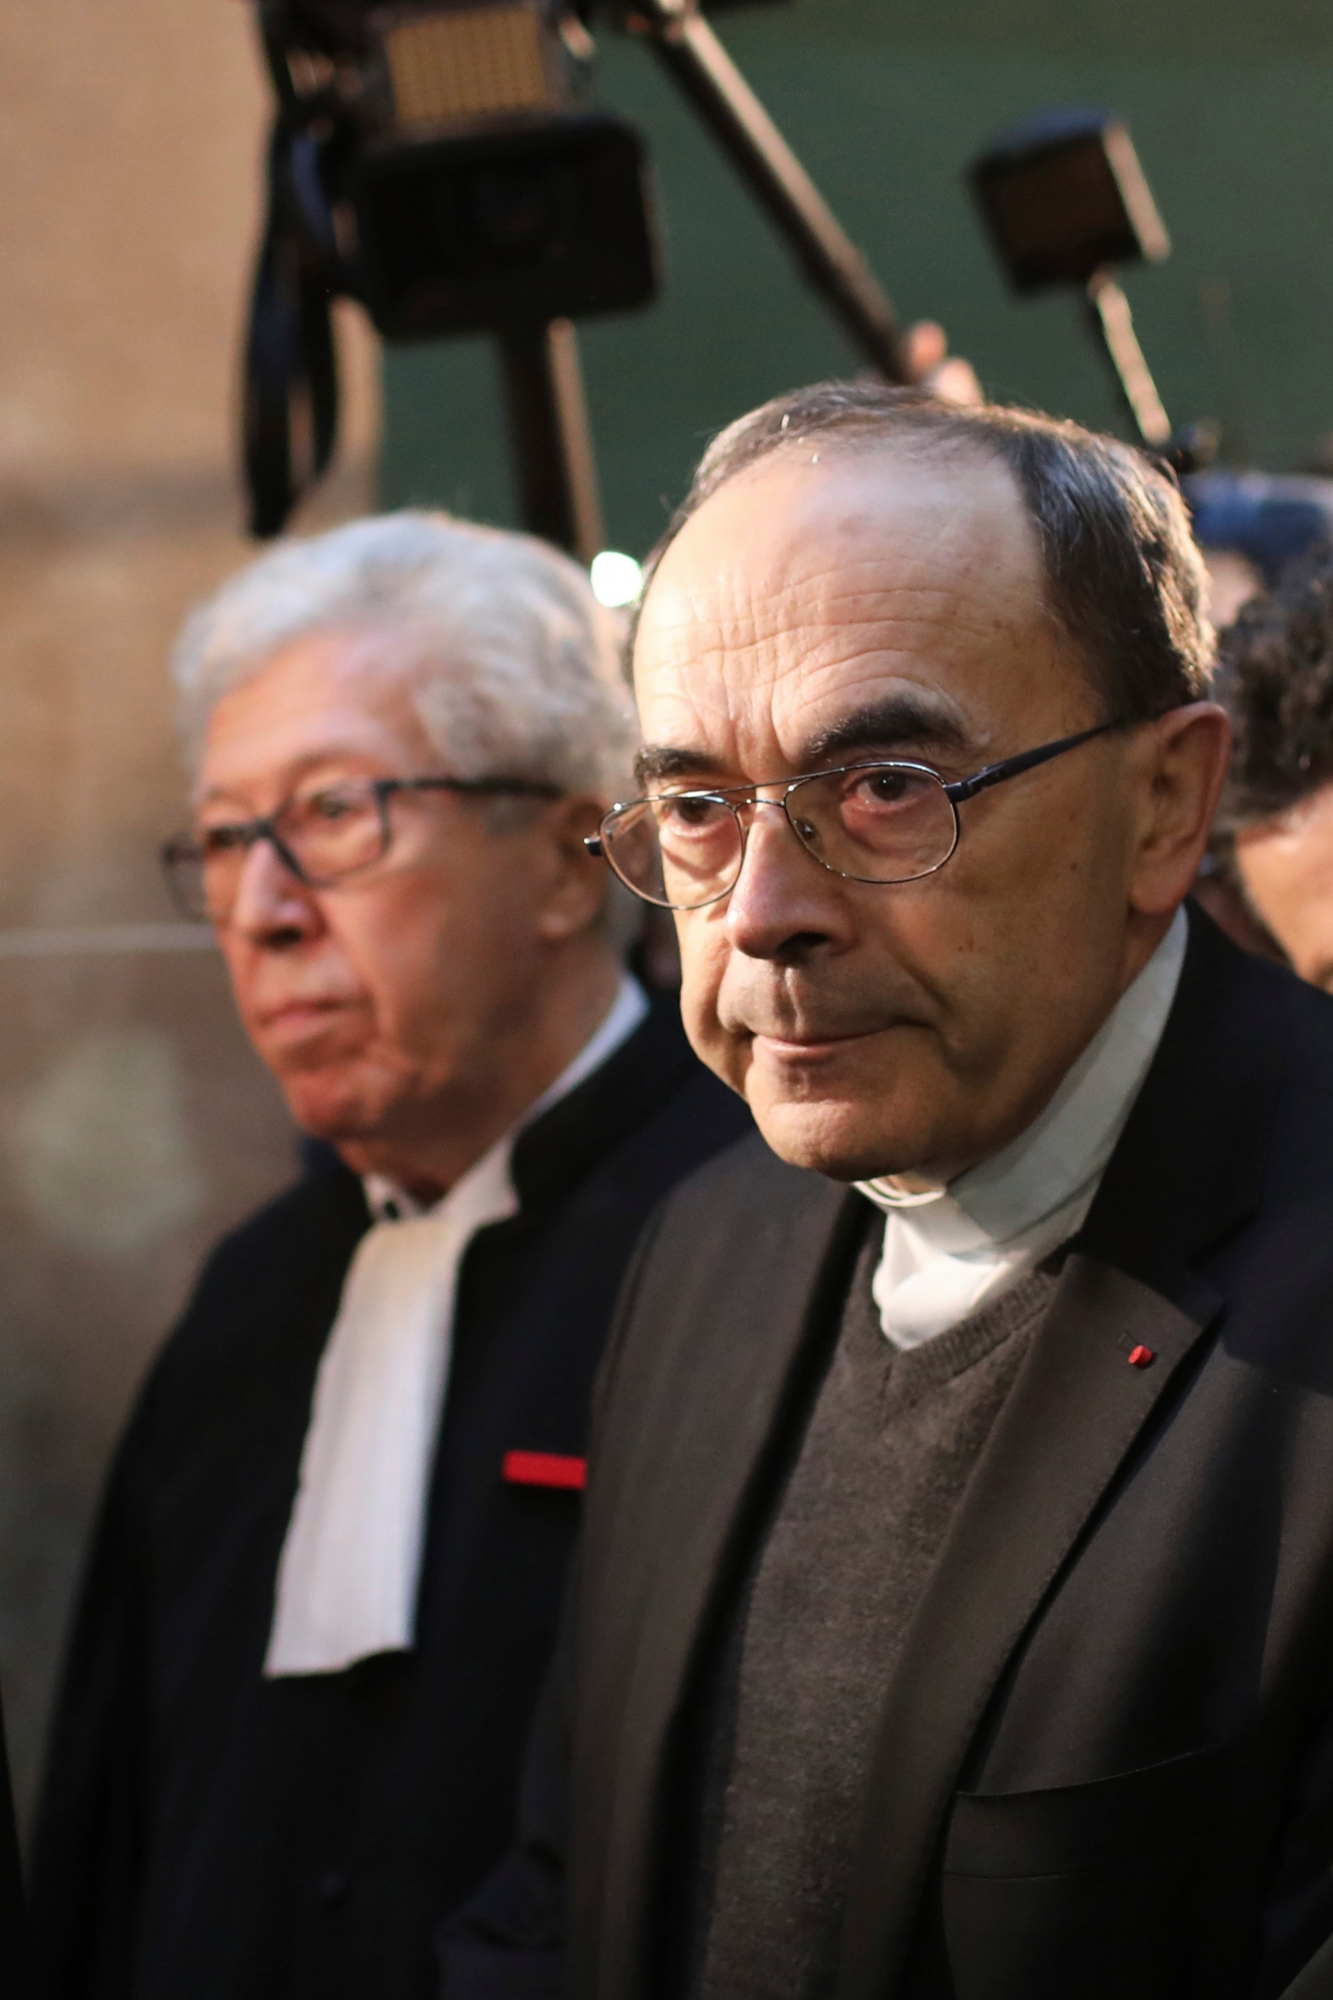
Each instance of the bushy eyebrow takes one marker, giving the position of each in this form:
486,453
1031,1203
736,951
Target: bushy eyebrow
656,761
333,756
904,720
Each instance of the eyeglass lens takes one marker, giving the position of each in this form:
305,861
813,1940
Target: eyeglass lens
879,823
329,834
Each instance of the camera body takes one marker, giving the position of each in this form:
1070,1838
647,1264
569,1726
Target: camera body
438,161
472,231
443,170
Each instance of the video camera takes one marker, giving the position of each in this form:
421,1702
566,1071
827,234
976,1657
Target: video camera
444,168
439,161
435,162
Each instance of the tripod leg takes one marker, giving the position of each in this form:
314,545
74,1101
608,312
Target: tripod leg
1114,325
550,440
705,72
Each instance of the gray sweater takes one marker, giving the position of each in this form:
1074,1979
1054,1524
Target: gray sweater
875,1481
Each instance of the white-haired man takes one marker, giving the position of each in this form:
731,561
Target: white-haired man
326,1576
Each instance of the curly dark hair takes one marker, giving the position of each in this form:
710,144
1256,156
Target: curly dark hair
1276,678
1123,571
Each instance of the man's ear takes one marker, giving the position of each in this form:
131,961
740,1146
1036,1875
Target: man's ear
577,880
1184,765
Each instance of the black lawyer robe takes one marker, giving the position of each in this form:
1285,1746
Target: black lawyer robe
13,1922
205,1833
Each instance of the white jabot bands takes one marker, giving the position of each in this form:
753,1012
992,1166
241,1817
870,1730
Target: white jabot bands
949,1254
350,1567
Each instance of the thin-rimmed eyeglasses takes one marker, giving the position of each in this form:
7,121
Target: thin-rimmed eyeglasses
884,822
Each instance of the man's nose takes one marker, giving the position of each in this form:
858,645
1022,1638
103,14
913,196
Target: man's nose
785,904
272,905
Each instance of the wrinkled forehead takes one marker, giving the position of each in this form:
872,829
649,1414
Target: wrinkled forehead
343,695
812,585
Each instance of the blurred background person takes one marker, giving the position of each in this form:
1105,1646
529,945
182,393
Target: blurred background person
1273,851
325,1579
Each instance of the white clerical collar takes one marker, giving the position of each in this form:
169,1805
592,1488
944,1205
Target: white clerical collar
349,1573
950,1251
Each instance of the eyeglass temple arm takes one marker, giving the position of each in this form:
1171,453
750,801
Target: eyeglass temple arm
1010,767
527,788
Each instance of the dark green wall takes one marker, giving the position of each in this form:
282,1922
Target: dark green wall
1231,107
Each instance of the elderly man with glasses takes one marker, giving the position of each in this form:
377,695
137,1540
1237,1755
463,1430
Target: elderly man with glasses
325,1582
953,1615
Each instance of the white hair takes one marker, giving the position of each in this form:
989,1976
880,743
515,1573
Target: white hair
516,670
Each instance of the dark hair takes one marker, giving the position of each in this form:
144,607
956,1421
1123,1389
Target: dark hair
1277,682
1126,579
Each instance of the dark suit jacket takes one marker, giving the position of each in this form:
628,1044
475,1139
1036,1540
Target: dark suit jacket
205,1833
14,1969
1105,1764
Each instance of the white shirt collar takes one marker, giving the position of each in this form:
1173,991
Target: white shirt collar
349,1572
949,1252
388,1202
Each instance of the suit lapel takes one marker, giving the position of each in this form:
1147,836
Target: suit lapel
1189,1168
738,1375
1075,1413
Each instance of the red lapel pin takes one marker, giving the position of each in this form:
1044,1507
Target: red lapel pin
545,1468
1141,1357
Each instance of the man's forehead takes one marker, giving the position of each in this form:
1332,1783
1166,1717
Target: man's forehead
804,496
325,698
796,591
849,541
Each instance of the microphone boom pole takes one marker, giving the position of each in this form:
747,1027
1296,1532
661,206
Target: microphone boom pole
698,63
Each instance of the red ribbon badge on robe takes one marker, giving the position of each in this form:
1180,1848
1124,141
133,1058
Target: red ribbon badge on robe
545,1468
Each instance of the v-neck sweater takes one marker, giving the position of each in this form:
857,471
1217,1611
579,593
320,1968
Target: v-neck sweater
874,1484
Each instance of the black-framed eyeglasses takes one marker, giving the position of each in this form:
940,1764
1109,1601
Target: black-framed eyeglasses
321,837
881,822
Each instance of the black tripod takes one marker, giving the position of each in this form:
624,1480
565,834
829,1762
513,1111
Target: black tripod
347,197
